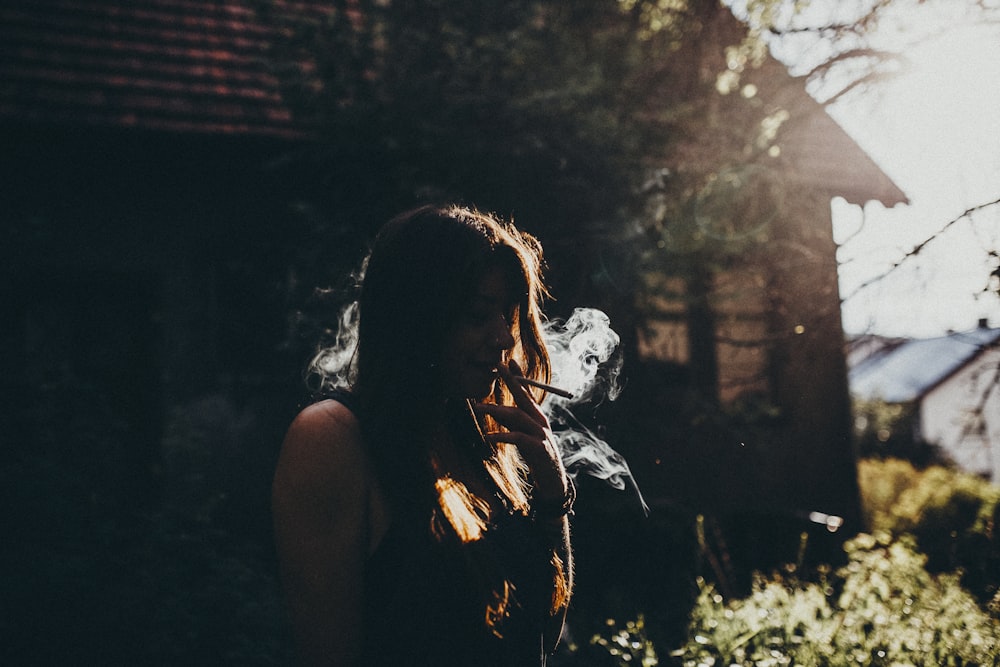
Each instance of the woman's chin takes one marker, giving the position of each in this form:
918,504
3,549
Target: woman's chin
473,383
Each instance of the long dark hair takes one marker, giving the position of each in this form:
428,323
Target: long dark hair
419,279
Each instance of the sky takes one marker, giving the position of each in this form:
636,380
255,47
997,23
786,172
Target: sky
935,130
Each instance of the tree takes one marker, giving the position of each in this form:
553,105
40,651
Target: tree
561,114
555,113
847,61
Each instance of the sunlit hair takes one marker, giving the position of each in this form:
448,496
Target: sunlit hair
466,514
419,280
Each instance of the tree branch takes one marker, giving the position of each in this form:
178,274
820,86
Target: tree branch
917,249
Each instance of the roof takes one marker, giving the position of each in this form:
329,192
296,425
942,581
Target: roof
822,155
202,66
813,152
816,151
180,65
908,371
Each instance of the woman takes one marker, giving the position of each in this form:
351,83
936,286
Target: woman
421,518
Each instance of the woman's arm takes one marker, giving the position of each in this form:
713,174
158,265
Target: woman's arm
320,513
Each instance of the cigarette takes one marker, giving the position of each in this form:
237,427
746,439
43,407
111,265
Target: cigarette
541,385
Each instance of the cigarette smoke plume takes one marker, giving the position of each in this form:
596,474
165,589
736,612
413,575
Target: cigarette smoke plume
334,363
582,349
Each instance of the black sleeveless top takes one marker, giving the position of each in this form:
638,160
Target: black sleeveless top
436,601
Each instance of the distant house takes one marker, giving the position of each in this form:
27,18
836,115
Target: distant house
953,381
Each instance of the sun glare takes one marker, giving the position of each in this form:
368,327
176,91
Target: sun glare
934,131
949,100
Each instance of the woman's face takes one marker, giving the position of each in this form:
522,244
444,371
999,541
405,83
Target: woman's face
479,340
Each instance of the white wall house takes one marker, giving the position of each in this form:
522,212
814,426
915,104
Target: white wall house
954,381
962,414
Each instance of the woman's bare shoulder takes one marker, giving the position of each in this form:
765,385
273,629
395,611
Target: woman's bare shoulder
328,418
322,445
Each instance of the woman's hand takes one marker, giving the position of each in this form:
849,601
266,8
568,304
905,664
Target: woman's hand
527,428
524,426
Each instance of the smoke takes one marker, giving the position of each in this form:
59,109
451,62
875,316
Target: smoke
334,363
584,362
581,349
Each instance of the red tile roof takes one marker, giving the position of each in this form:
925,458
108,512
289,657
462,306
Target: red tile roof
202,66
179,65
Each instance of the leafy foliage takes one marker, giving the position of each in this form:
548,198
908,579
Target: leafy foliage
570,111
882,608
628,645
890,430
920,590
449,98
952,515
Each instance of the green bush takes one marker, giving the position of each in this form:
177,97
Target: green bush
628,645
901,499
881,482
889,430
952,515
882,608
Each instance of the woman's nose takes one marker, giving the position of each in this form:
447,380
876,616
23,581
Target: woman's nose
502,334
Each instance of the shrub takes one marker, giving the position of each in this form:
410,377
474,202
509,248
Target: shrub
882,608
881,482
884,430
627,645
952,516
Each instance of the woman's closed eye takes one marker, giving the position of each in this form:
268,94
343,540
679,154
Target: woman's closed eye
479,316
485,315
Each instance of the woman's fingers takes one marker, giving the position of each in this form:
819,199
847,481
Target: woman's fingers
540,454
513,419
535,442
526,427
509,373
520,440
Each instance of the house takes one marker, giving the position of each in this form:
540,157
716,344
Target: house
142,192
952,381
759,331
142,198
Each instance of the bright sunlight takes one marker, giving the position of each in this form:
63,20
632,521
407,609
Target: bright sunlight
934,131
